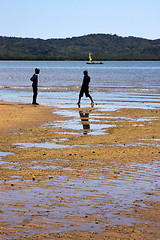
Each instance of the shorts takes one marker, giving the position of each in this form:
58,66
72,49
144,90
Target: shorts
86,91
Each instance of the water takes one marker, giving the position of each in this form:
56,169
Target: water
114,84
67,75
69,202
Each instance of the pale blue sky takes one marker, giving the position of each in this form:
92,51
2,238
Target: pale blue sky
67,18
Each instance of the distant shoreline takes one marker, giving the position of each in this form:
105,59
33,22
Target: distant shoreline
57,60
103,47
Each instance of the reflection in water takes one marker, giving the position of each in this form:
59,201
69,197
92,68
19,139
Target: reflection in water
84,115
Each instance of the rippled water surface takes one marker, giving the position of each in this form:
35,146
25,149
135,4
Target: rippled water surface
68,74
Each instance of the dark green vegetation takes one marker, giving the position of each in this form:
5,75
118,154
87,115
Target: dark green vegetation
102,47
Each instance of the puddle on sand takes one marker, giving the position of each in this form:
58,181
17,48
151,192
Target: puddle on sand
69,202
42,145
54,144
153,142
89,122
4,154
47,145
38,167
82,121
57,144
137,144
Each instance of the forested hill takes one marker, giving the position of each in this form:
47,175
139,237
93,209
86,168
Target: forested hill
102,47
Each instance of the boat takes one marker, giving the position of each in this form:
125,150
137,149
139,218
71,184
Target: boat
91,61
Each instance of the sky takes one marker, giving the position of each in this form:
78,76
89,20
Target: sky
71,18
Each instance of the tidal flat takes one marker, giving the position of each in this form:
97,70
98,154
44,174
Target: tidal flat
96,177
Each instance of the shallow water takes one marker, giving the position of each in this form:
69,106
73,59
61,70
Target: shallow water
66,201
68,74
106,101
113,85
66,103
58,198
3,154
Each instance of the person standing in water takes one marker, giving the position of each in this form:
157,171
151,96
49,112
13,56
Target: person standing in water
34,79
85,88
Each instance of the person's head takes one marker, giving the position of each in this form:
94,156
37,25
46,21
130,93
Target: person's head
37,70
85,72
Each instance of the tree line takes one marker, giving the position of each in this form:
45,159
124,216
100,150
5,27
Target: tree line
102,47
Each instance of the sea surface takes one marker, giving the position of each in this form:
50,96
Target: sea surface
114,84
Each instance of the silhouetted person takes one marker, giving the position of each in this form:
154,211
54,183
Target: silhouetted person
34,79
85,88
85,121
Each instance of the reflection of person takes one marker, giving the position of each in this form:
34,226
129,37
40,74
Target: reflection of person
85,121
34,79
85,88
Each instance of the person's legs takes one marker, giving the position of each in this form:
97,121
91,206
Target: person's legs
79,100
34,95
88,95
86,91
92,103
80,96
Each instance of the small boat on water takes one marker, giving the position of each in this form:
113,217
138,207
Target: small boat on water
91,61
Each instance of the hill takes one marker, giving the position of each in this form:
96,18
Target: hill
102,47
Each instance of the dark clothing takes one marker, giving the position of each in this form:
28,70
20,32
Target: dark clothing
86,81
34,79
85,88
35,93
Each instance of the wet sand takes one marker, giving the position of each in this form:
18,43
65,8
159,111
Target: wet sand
62,183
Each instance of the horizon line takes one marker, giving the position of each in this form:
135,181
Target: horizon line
63,38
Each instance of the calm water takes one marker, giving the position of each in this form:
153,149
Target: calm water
112,83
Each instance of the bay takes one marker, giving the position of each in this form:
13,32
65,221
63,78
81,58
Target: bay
114,84
68,74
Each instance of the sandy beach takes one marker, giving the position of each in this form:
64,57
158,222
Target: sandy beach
63,184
